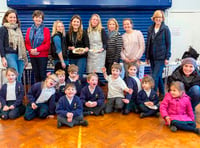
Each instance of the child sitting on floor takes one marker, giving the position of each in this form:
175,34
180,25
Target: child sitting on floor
92,97
69,108
41,98
116,88
61,86
133,82
176,109
147,98
11,96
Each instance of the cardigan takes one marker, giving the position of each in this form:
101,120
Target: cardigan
114,48
63,107
43,49
142,97
4,42
131,83
19,91
133,45
97,95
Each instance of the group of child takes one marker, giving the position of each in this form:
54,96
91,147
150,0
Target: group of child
71,98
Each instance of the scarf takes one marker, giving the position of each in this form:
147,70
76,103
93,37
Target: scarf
36,35
111,34
16,40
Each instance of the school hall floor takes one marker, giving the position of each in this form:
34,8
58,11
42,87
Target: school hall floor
109,131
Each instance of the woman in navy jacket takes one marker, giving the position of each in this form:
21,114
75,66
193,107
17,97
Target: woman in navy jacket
158,49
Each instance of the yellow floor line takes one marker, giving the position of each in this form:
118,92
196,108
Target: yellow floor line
79,137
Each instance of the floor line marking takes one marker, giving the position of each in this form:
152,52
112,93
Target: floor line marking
79,137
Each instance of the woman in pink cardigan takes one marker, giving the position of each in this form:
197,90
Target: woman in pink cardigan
176,109
133,44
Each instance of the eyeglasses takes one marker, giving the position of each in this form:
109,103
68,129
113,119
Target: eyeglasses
53,80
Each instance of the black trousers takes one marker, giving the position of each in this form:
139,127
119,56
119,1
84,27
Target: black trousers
39,67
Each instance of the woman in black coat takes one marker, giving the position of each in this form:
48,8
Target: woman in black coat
158,49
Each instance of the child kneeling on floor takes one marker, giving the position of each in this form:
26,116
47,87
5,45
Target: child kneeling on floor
147,98
176,109
116,88
69,108
92,97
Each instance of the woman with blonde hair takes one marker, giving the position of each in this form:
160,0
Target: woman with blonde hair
97,39
76,39
114,44
158,49
58,44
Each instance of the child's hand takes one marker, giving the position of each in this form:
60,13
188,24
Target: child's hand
103,69
69,115
94,104
149,103
5,108
130,91
69,119
125,101
168,120
34,106
50,116
11,107
88,104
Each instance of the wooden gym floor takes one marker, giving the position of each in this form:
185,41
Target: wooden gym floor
109,131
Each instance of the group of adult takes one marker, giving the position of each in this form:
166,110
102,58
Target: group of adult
98,48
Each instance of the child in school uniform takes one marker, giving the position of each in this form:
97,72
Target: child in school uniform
74,78
11,96
61,85
147,98
69,108
133,82
92,97
41,98
176,109
116,88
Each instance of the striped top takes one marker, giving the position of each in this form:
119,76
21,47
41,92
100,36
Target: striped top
114,47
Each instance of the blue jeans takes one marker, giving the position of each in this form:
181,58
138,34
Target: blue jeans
81,63
14,62
157,69
194,93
